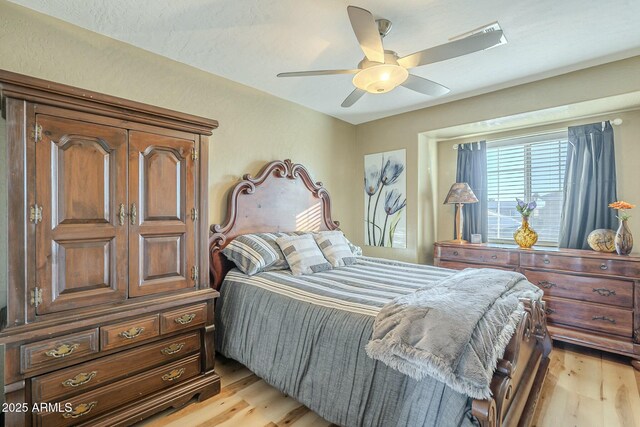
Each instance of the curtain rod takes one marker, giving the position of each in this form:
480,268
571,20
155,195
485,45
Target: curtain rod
616,122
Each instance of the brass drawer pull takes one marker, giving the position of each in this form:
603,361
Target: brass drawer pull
604,292
62,351
455,253
131,333
80,379
173,375
546,261
185,319
494,256
546,284
80,410
133,214
549,310
122,214
605,318
172,349
603,267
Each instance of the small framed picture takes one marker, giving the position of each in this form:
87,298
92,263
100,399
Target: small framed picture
476,238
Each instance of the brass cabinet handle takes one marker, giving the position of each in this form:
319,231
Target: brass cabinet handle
604,292
173,375
172,349
62,351
546,261
80,379
80,410
494,256
546,284
131,333
603,267
455,253
122,214
549,310
605,318
185,319
133,214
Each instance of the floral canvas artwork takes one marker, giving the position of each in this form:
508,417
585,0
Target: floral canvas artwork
385,199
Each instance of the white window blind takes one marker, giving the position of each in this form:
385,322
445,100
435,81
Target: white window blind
528,168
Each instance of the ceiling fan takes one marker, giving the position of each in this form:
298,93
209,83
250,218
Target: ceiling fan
382,70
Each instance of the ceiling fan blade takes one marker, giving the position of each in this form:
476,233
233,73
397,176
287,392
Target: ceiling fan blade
353,97
367,33
453,49
422,85
317,73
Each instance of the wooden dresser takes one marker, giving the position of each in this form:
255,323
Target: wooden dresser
592,298
106,315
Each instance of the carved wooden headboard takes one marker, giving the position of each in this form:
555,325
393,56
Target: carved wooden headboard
283,197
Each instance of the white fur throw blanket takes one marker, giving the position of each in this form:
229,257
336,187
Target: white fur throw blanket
455,330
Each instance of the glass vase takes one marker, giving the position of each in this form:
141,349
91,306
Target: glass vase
525,236
624,239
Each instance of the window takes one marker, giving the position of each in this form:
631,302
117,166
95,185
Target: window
529,168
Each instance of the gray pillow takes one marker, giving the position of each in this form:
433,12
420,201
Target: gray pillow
335,248
303,254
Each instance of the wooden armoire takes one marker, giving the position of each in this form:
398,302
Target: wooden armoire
106,314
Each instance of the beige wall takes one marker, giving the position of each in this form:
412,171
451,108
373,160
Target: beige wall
423,173
627,147
255,127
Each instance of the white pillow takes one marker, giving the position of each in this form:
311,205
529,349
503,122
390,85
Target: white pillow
302,254
335,248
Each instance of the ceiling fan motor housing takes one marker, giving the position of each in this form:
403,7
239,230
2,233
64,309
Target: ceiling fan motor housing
377,77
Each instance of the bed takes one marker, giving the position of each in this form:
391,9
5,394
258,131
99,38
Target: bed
306,335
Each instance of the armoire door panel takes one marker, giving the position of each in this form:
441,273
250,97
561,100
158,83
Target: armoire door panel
81,248
162,257
81,167
162,238
164,173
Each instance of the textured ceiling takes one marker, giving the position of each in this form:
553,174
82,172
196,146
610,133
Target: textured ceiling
250,41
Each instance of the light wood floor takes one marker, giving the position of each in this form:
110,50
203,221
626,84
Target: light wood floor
584,388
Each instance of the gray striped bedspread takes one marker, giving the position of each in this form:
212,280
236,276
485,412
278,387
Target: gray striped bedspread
306,336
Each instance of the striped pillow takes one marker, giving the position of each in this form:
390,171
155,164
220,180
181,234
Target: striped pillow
335,248
253,253
303,254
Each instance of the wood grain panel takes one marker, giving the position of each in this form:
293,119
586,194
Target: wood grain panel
604,266
163,171
81,176
161,256
162,237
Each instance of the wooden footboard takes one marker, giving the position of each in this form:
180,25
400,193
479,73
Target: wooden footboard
520,373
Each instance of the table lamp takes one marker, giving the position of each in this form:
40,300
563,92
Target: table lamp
460,194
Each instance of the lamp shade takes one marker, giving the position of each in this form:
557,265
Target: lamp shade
460,192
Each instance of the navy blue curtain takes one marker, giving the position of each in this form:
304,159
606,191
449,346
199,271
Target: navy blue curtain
589,184
472,169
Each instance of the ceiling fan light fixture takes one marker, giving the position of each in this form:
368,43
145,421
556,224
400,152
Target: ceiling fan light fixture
380,78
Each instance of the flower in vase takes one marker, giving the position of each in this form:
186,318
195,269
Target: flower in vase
622,207
525,208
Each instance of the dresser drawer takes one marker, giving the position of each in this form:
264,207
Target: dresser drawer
87,405
129,332
57,351
183,318
484,256
581,265
585,315
47,388
594,289
461,265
